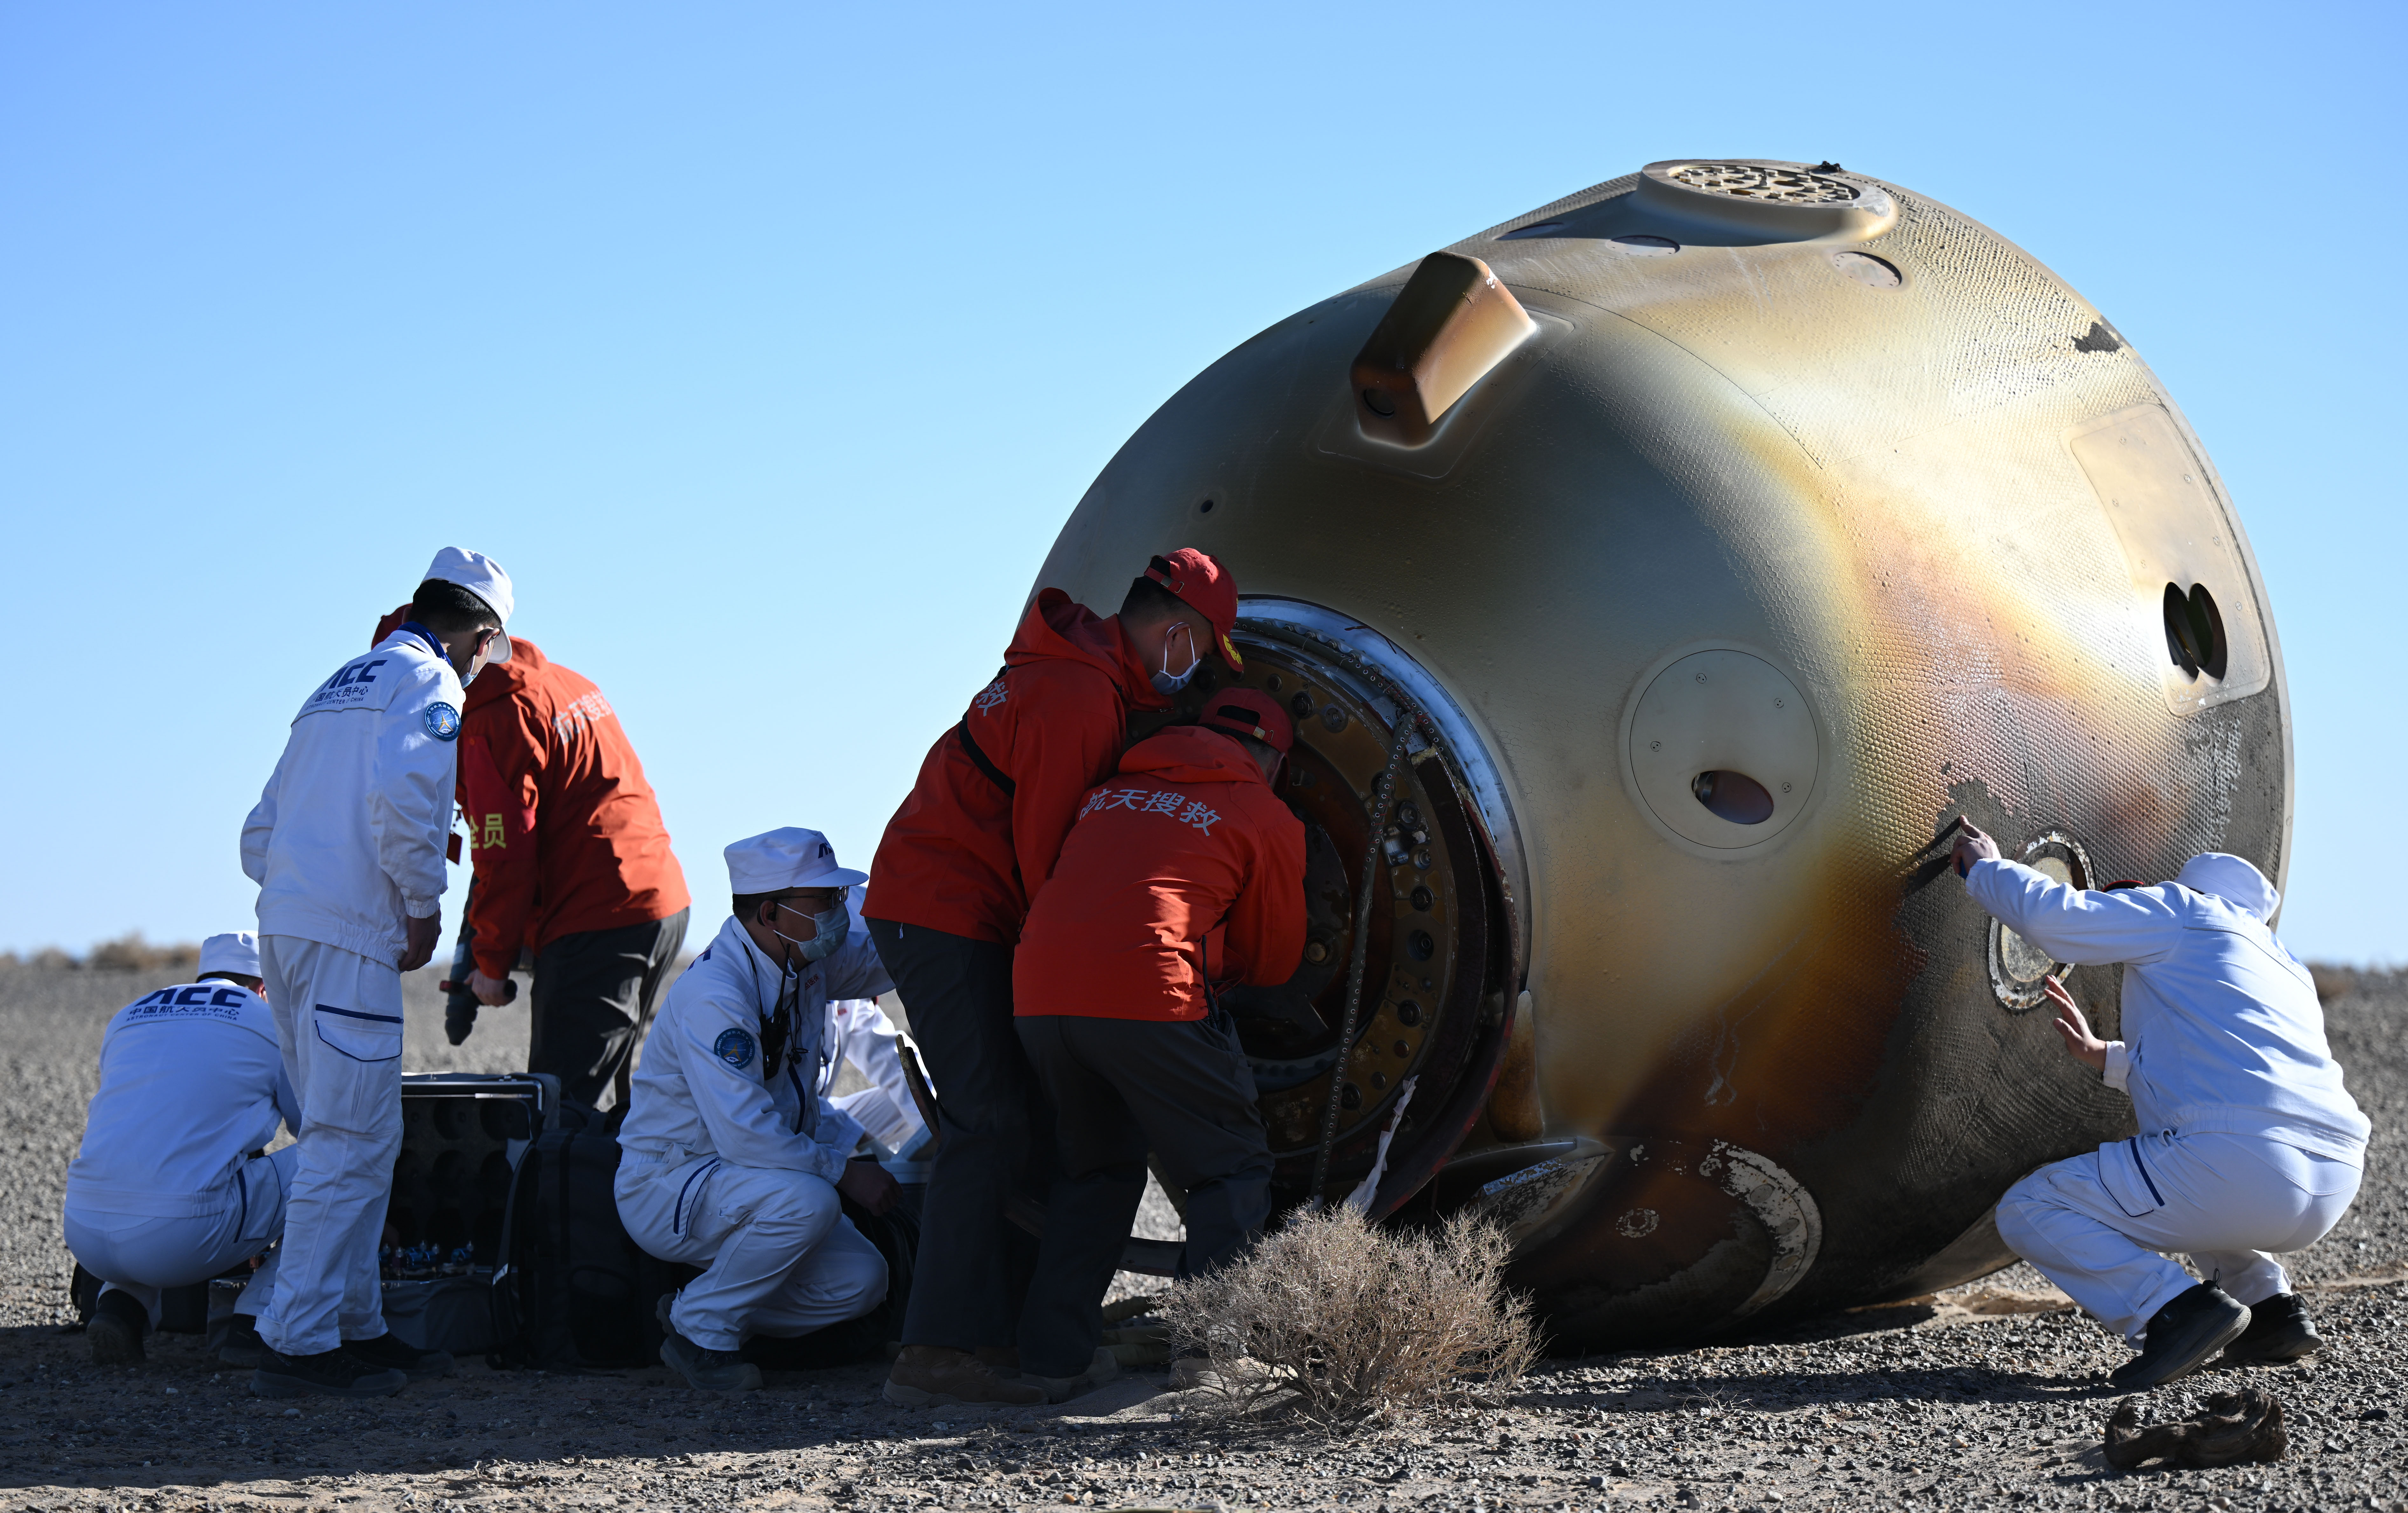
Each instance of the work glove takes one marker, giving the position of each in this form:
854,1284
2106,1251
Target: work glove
459,1005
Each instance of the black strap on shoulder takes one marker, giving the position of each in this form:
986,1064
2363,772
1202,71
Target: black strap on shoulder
978,759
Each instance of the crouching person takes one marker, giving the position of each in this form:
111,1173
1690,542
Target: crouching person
1184,870
169,1187
2249,1145
733,1160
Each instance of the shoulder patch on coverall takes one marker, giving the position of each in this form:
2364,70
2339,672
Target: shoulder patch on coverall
734,1047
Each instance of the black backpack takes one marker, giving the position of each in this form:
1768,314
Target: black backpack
573,1290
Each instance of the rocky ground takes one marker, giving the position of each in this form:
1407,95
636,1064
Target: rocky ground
1987,1396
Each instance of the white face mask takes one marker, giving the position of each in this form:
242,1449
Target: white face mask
1167,682
832,926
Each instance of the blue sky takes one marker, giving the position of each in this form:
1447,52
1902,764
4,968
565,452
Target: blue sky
768,345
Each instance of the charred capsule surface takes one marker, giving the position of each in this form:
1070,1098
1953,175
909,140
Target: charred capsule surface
1713,538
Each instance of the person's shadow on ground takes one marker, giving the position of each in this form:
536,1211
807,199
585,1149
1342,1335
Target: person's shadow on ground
185,1418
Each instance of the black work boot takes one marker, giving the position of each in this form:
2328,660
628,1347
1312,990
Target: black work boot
708,1371
116,1329
335,1373
2279,1330
705,1371
388,1350
2181,1338
242,1346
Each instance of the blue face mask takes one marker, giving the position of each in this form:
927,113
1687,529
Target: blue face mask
1171,683
832,927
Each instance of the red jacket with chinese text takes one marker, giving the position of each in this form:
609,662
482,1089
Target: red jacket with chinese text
1186,855
964,856
565,833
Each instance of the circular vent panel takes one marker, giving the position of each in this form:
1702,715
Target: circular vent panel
1749,201
1766,182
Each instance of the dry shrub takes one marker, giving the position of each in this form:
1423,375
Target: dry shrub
2332,981
131,953
1344,1323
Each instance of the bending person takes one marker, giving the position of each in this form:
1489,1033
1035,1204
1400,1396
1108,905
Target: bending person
1185,869
572,863
733,1160
347,846
2249,1145
949,890
170,1186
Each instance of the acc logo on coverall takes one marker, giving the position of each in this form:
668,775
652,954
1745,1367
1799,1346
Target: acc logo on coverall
734,1047
442,721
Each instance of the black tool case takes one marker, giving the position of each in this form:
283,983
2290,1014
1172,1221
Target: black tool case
462,1135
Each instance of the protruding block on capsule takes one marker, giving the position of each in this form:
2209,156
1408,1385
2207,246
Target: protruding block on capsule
1451,324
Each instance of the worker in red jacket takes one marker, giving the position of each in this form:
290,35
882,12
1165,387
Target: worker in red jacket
572,863
1183,871
948,890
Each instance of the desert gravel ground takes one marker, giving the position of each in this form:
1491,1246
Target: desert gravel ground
1987,1396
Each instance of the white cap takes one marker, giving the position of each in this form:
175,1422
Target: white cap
2231,879
238,952
483,576
791,857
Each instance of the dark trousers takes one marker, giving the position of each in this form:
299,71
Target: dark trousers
592,1001
1119,1088
974,1264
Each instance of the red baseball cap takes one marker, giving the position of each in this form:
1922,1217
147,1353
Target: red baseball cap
1206,587
1245,711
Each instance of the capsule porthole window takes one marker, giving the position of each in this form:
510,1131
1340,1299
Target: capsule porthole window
2019,969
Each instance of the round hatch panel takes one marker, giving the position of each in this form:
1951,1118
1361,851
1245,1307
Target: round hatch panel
1723,749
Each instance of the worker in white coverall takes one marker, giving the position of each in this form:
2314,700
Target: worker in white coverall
2249,1145
860,1035
170,1186
347,846
733,1159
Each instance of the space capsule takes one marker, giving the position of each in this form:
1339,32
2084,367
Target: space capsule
1656,579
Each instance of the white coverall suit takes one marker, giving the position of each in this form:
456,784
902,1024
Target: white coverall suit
2249,1144
731,1152
861,1035
348,836
164,1191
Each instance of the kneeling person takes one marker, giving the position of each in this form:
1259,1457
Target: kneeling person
1184,870
2249,1147
169,1187
733,1160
